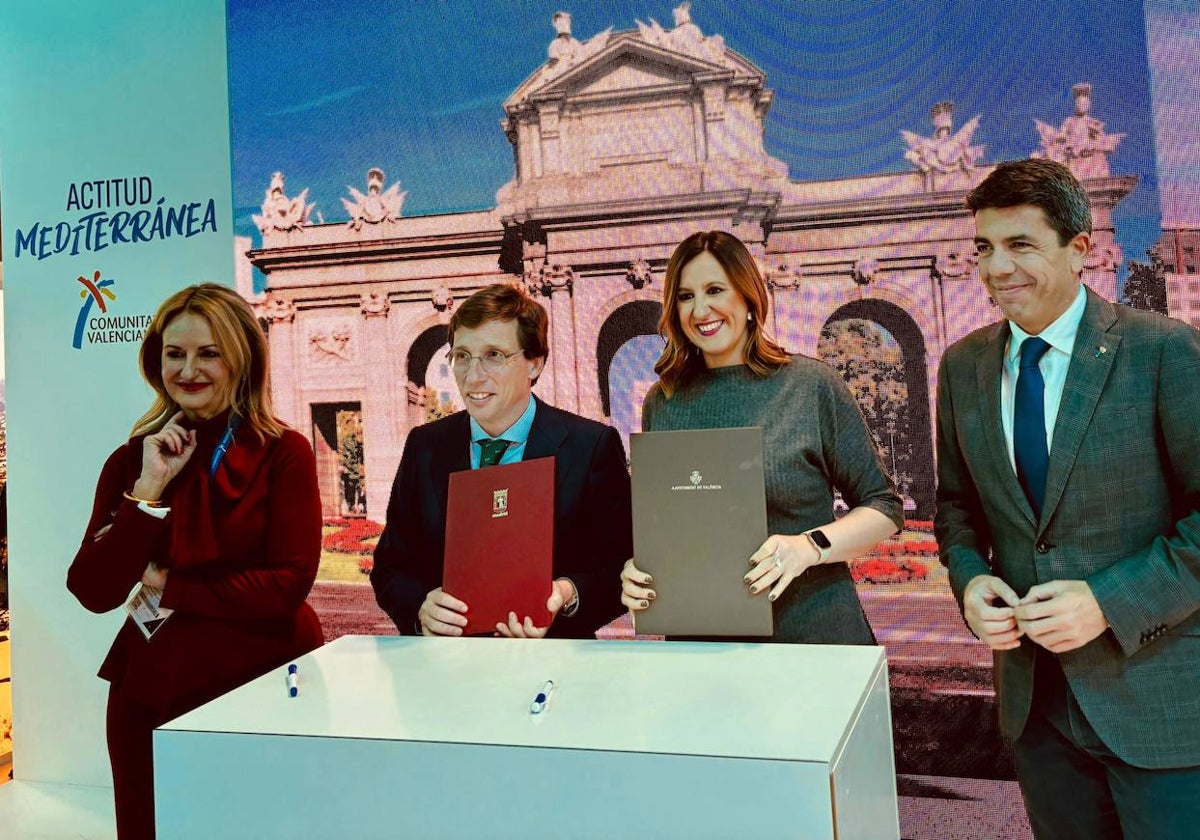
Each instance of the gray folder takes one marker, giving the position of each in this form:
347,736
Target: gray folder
699,512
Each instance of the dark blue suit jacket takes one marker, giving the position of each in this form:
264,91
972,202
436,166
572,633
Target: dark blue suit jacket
592,515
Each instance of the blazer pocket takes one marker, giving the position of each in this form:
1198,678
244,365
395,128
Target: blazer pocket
1116,418
1115,435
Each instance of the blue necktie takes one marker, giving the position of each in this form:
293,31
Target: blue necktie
1029,424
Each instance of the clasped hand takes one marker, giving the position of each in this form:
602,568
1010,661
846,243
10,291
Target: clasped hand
441,614
1059,615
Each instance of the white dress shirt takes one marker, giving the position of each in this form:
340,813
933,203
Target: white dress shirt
1060,335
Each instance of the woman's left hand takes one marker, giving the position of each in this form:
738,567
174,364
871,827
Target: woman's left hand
778,562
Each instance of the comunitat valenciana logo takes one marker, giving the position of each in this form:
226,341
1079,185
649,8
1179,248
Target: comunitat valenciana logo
95,324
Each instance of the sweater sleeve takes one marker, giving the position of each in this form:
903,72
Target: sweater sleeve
650,405
856,470
109,564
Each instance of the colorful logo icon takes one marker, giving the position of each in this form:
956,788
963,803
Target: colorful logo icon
94,291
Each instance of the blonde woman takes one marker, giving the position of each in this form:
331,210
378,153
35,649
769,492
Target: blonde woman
214,502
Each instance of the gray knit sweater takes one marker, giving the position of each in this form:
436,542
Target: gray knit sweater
815,440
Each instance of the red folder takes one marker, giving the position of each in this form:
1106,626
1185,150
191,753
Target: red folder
500,543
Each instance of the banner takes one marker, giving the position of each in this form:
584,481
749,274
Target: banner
114,167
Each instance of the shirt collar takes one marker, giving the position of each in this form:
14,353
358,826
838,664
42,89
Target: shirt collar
517,433
1060,335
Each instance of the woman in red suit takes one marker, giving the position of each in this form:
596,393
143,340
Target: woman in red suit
214,502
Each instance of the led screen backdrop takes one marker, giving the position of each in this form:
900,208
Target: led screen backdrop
388,162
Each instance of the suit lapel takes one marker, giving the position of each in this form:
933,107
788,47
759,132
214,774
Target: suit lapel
989,367
546,435
1091,364
453,452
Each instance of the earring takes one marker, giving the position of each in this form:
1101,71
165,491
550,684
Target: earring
750,317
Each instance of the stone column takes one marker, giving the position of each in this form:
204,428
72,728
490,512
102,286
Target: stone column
280,316
379,457
557,283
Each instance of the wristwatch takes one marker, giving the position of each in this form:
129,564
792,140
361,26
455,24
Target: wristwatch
820,542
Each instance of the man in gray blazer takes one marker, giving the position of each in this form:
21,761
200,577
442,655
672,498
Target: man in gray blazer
1069,519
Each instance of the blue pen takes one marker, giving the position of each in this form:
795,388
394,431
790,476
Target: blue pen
543,697
292,688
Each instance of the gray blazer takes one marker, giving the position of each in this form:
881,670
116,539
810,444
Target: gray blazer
1121,512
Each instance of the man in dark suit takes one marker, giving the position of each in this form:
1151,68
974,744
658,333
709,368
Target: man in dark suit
498,349
1068,499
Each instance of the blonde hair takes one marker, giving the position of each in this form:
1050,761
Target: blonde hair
680,360
243,348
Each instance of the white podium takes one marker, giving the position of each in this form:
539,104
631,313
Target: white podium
413,737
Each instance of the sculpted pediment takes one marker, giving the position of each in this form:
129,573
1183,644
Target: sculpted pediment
625,75
624,64
631,58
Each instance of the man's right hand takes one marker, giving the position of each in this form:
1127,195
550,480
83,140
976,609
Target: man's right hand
441,614
988,606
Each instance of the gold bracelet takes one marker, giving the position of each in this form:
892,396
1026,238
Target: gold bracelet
146,502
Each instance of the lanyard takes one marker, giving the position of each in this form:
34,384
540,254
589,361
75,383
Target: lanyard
223,447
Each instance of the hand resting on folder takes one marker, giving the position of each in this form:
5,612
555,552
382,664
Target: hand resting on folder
564,593
441,614
780,560
776,563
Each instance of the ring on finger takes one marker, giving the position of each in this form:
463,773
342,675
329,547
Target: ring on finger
778,562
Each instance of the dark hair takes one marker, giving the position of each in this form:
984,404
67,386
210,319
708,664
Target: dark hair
679,361
1042,183
243,348
502,302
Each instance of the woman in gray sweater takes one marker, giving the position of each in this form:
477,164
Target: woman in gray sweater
720,369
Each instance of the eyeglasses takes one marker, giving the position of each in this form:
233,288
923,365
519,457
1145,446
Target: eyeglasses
492,361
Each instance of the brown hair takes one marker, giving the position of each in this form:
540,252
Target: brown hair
241,343
680,359
502,302
1041,183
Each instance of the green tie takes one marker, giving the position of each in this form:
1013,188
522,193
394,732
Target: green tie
491,450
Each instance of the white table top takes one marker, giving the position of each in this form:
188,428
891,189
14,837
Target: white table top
762,701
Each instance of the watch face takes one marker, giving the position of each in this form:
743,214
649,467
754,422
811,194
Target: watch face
820,539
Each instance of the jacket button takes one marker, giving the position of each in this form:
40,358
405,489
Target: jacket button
1043,547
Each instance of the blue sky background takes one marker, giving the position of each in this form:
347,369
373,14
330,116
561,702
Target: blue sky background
325,90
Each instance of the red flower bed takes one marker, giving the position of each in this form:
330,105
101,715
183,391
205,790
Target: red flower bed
352,536
893,548
884,570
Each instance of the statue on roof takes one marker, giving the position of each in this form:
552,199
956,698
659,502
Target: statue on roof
280,213
1081,143
378,205
565,51
947,151
685,38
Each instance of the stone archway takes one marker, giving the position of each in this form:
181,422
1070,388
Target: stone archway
429,397
912,427
420,353
638,317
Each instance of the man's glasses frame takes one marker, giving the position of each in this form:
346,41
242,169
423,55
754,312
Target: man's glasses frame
491,361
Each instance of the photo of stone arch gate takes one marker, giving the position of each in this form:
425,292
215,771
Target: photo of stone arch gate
622,146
